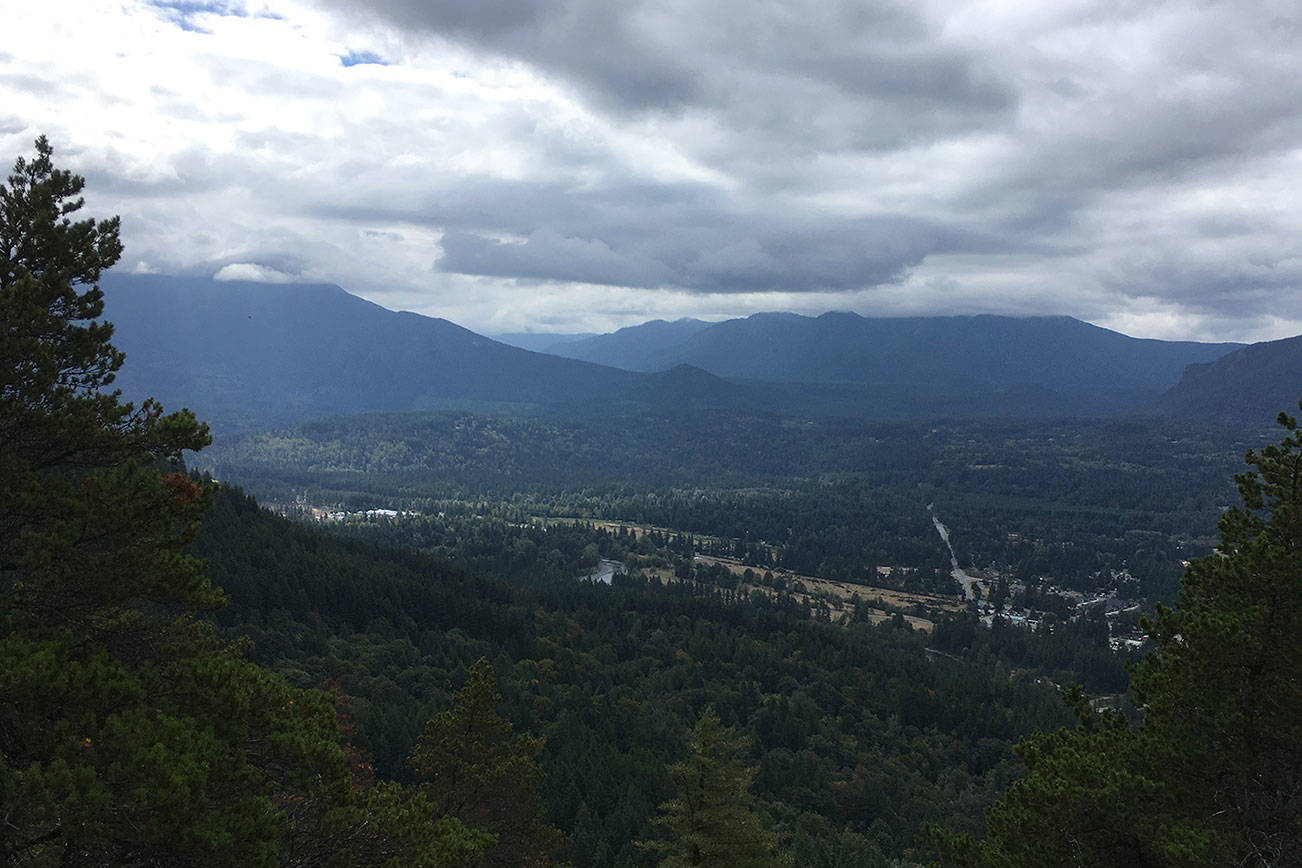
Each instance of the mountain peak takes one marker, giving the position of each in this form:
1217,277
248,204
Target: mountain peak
250,355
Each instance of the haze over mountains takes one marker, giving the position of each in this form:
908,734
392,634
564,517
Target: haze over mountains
645,347
540,342
247,355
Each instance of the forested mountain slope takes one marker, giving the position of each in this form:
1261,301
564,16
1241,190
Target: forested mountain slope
975,352
1248,386
246,355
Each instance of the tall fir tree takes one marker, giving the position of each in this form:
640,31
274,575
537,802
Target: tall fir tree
471,767
711,821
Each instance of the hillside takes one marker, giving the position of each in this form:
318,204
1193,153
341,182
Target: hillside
1248,386
612,677
956,354
646,347
246,355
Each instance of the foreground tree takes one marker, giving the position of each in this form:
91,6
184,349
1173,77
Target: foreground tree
712,819
129,734
472,768
1213,774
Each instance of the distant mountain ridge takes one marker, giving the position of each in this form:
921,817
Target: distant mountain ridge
539,342
1056,353
637,348
1248,386
248,355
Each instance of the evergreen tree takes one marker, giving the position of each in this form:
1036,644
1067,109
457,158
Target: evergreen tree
1225,688
129,734
712,819
472,768
1213,773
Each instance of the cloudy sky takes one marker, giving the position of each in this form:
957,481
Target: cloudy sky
580,165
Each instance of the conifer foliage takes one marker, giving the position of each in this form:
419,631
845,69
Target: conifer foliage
471,767
712,819
129,734
95,596
1213,773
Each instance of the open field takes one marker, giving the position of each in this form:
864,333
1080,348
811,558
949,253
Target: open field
638,530
839,597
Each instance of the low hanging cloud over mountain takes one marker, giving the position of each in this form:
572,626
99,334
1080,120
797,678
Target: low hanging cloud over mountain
585,165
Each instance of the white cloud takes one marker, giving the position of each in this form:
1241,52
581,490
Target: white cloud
1133,165
251,272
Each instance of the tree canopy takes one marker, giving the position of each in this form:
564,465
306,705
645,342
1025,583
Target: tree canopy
129,733
471,767
712,820
1212,775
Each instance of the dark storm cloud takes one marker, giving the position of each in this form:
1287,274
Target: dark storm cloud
596,44
777,84
547,255
670,57
746,259
684,236
1199,112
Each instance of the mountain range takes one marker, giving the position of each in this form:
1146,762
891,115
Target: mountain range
249,355
978,352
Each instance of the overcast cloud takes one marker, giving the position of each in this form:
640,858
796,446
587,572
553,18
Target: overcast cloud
580,165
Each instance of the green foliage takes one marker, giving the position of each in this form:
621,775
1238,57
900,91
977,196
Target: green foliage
614,677
51,357
712,820
129,733
1213,773
102,672
384,825
470,767
1224,689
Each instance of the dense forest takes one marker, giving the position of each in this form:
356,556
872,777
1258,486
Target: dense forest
861,734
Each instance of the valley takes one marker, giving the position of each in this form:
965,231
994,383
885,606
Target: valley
786,571
635,557
631,554
625,435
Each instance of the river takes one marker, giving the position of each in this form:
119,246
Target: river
604,572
